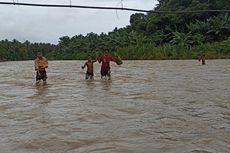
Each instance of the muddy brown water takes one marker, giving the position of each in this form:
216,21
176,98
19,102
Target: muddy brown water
148,107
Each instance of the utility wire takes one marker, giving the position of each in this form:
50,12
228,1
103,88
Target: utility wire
110,8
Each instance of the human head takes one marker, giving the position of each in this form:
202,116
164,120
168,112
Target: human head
39,55
106,51
89,58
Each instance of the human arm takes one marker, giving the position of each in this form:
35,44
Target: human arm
36,65
84,66
96,59
112,58
99,59
45,63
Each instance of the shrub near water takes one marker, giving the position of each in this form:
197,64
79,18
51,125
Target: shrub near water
217,50
150,52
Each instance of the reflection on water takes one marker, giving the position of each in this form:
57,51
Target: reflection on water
148,107
41,90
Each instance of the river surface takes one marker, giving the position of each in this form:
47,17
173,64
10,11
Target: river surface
148,107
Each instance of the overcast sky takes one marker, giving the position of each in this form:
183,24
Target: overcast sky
38,24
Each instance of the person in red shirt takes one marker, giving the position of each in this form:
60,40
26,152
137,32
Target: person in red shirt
105,59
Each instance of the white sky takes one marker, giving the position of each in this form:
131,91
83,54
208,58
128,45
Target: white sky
38,24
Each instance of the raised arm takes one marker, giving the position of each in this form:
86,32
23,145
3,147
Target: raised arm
112,58
99,58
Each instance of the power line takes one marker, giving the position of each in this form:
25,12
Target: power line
109,8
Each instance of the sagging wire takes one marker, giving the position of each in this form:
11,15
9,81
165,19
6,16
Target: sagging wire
110,8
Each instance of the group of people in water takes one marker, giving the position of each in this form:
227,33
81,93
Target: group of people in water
41,64
105,59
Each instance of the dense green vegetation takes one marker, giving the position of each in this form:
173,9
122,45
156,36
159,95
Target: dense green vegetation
149,36
15,50
216,50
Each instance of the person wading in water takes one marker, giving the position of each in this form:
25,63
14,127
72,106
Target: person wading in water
105,59
89,64
201,58
40,64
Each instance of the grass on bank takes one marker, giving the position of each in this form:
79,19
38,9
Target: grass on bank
216,50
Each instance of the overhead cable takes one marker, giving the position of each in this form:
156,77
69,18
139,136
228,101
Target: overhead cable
109,8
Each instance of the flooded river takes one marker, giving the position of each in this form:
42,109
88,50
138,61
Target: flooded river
148,107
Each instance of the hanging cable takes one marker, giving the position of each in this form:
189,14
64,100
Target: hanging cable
110,8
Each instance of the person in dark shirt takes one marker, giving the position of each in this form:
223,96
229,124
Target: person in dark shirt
201,58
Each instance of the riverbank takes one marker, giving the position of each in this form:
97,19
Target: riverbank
216,50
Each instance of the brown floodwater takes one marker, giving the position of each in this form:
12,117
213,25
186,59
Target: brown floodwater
148,107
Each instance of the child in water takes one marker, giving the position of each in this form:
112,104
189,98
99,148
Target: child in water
89,64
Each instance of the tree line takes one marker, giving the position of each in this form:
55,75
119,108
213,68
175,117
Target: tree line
149,36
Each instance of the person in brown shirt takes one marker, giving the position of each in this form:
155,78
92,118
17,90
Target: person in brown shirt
40,64
89,64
